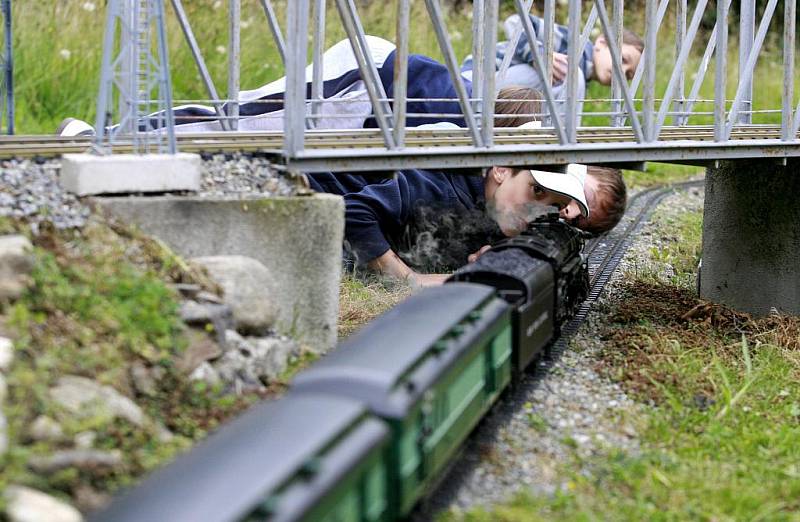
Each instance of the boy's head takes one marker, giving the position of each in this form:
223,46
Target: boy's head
606,196
517,105
632,48
594,201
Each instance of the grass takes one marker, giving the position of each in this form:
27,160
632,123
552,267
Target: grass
721,414
57,72
657,174
363,297
99,303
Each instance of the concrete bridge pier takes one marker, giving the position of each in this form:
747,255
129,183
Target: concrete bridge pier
751,236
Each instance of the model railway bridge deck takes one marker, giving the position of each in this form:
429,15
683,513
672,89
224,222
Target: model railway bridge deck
731,131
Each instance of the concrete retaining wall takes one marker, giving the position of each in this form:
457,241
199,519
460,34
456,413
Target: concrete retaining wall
751,236
298,239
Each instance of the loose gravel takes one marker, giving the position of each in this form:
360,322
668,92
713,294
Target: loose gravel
565,409
29,189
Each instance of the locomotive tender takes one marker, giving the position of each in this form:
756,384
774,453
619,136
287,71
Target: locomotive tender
363,433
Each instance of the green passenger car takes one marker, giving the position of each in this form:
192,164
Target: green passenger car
430,368
300,458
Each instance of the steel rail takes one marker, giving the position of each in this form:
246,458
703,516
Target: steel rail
363,150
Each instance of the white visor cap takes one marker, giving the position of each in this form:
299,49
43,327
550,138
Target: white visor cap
569,183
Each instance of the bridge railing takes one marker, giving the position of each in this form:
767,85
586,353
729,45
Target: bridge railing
651,120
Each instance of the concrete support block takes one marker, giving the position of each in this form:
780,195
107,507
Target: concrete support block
751,236
89,174
298,239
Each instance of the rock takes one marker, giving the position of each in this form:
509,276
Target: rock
29,505
254,361
193,312
201,314
88,499
201,349
271,357
247,284
6,351
234,341
85,439
16,263
83,459
144,379
208,297
187,290
163,434
44,428
206,373
234,371
86,398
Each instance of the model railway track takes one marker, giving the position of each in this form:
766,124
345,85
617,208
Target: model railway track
271,143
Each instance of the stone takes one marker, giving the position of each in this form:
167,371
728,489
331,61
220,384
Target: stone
85,439
16,263
83,459
246,283
209,297
25,504
234,340
86,398
234,370
6,353
201,349
43,428
144,379
206,373
187,290
89,174
271,357
88,499
220,316
255,361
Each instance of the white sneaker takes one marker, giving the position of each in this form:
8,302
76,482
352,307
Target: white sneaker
74,127
511,25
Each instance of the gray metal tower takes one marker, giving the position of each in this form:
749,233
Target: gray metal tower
140,73
7,67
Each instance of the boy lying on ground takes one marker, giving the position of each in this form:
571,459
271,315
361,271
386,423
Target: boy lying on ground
433,220
595,59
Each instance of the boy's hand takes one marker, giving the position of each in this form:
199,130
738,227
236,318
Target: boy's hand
425,280
474,257
559,67
391,265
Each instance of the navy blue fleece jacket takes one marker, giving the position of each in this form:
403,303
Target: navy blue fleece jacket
379,211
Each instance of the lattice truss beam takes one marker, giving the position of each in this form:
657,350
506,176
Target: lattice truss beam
633,107
136,70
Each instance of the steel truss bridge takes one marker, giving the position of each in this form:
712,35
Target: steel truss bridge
640,124
671,125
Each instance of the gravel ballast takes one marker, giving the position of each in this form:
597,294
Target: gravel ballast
29,189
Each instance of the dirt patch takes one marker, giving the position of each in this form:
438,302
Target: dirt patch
653,322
